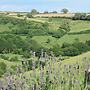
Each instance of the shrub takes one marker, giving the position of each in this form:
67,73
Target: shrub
29,15
88,42
19,15
26,54
13,59
58,34
4,57
82,47
57,50
70,51
2,68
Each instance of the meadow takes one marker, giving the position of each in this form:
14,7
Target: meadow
76,26
32,57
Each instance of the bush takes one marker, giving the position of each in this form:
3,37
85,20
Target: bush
4,57
13,59
26,54
19,15
2,68
57,50
63,29
58,34
88,42
29,15
81,16
70,51
82,47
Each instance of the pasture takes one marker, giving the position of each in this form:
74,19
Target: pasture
25,50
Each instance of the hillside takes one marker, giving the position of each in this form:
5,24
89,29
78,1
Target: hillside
43,53
58,72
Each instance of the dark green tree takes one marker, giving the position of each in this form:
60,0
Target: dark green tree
34,11
65,11
29,15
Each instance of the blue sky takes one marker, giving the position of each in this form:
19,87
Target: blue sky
45,5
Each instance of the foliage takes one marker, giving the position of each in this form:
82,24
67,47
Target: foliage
29,15
23,27
63,29
14,59
2,68
81,16
4,57
64,10
81,32
57,50
34,11
65,26
19,15
71,49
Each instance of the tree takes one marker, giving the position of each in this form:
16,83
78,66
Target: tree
48,40
63,29
88,42
65,11
88,17
46,12
29,15
64,45
65,26
70,51
57,50
79,16
54,12
82,47
34,11
19,15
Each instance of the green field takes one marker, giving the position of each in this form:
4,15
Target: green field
53,41
57,71
4,28
76,26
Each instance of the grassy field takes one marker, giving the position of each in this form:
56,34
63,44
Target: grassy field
4,28
53,63
76,26
42,40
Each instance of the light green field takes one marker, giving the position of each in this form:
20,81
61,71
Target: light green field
10,55
53,41
55,63
76,26
4,28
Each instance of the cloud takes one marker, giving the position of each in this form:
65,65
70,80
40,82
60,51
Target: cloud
8,6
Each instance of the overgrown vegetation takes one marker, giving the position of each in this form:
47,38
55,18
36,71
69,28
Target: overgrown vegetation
3,67
39,48
81,16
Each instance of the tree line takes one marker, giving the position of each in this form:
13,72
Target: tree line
74,49
81,16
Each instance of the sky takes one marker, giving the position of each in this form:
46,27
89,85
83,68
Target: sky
45,5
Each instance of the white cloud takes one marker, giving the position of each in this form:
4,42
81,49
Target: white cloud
8,6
